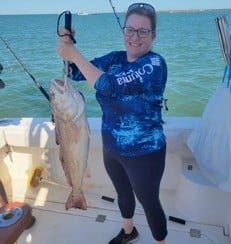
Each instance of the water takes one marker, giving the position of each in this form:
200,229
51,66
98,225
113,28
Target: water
188,41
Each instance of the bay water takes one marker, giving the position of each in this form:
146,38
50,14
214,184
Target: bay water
188,41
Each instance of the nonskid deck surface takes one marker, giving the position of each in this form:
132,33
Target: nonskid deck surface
101,221
61,228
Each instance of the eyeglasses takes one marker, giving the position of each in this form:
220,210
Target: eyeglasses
144,6
130,31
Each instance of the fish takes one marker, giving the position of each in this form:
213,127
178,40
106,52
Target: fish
72,134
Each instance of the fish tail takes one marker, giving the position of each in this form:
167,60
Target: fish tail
76,201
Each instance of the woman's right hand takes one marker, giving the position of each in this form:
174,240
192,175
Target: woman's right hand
66,48
64,35
70,53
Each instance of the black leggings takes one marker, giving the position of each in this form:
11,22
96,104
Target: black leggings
142,175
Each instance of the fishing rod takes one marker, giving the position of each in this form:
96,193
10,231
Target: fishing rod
115,14
225,42
26,70
2,84
1,68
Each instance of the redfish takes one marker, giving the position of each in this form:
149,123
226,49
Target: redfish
72,136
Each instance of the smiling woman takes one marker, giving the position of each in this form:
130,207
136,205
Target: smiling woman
129,88
131,120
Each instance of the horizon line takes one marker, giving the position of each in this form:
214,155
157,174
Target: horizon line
122,12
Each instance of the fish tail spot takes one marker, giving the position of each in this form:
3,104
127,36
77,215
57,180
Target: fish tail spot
76,201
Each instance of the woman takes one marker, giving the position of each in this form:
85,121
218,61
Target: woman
129,87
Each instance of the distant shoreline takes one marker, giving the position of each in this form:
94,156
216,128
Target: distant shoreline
194,10
158,11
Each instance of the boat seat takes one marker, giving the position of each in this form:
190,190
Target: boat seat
15,217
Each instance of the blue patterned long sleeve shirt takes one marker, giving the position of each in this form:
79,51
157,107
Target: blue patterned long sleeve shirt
130,95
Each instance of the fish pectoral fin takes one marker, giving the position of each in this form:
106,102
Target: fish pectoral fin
76,133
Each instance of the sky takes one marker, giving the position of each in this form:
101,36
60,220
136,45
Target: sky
101,6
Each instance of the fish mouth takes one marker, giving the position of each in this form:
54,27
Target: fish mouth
59,85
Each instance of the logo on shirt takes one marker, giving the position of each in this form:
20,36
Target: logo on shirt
131,75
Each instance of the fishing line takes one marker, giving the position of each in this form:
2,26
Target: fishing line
26,70
115,14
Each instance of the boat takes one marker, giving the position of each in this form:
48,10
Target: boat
197,211
33,190
82,13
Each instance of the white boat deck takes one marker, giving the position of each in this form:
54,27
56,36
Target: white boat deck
102,220
29,143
